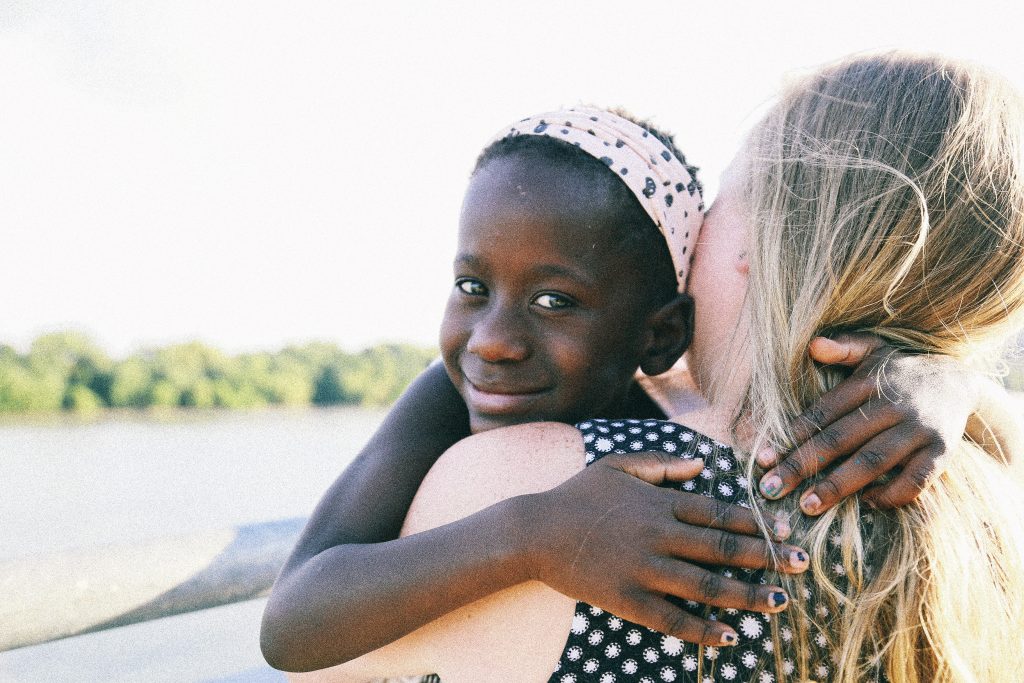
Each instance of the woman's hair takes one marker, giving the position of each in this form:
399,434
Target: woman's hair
887,195
632,229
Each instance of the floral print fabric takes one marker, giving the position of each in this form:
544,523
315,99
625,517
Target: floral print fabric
603,648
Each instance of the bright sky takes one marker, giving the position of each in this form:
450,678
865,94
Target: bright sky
252,174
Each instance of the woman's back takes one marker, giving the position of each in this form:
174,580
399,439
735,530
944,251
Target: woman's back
886,194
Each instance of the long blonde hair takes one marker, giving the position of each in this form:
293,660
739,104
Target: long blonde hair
888,196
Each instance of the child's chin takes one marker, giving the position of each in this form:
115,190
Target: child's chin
482,423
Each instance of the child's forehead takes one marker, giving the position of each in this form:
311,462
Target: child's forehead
511,197
536,227
523,176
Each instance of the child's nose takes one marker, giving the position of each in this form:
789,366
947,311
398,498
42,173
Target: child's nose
497,337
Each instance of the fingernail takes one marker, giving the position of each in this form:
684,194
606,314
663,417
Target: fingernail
766,458
830,343
798,559
830,346
729,638
810,503
771,486
781,529
777,599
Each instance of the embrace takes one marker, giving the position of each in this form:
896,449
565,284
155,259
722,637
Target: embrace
826,492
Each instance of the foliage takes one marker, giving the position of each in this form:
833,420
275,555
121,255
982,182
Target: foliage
67,371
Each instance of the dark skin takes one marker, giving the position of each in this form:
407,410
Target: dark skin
897,414
336,597
543,321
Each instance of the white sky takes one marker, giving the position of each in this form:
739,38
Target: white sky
254,173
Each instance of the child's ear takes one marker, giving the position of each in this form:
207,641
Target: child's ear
669,333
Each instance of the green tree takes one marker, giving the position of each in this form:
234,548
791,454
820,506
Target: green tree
131,383
67,371
83,400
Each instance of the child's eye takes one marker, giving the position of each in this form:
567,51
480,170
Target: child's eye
470,286
553,301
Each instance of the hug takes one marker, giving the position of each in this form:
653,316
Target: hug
824,493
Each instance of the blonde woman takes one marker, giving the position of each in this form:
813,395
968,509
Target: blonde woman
883,194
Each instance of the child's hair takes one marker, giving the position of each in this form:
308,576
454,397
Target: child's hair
887,196
632,228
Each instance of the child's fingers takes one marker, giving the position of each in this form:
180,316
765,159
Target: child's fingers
654,611
879,455
920,471
842,437
827,409
848,348
874,459
717,547
690,582
706,512
655,467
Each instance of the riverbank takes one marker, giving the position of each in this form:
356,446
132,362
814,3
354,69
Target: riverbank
67,484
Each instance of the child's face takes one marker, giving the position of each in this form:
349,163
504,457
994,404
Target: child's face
544,321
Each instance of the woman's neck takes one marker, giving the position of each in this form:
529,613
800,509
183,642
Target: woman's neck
682,400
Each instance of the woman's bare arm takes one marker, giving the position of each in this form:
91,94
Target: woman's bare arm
351,585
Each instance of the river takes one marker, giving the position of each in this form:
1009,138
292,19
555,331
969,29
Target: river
66,484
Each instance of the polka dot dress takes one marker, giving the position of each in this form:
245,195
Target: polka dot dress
603,648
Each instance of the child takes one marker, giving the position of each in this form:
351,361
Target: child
563,284
563,289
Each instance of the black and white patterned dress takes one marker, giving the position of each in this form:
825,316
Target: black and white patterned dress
603,648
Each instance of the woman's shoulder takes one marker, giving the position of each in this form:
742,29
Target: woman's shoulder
492,466
551,446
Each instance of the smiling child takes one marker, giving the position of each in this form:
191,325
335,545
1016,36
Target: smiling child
563,282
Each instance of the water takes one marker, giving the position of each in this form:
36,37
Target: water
67,484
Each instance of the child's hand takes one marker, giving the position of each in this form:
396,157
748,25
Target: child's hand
611,537
895,410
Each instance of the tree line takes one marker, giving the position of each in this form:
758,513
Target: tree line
67,371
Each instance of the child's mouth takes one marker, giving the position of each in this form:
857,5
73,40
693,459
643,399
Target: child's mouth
498,399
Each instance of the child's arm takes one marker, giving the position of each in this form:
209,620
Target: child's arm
347,574
527,624
895,410
346,590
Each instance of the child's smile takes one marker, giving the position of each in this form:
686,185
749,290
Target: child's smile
544,321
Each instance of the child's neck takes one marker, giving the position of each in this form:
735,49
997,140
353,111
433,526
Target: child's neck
640,404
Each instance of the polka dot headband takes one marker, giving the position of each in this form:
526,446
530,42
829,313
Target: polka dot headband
660,181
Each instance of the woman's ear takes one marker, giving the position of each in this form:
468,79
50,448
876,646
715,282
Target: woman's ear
669,333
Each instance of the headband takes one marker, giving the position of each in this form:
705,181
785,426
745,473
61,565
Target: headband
660,181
